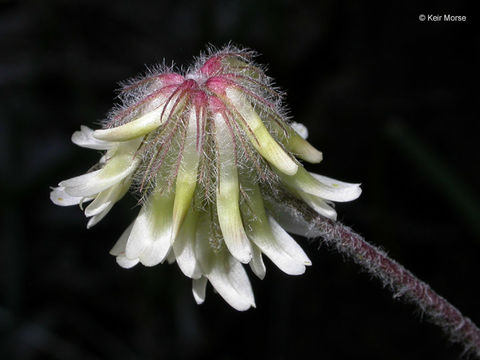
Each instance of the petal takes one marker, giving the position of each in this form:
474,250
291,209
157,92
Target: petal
198,289
140,126
228,209
126,263
288,244
170,257
300,129
94,220
118,167
342,191
291,220
256,264
85,138
187,174
262,235
323,187
142,234
262,140
150,237
107,198
118,250
133,129
229,278
59,197
119,247
319,205
100,206
224,272
155,253
206,242
70,185
184,246
316,203
297,144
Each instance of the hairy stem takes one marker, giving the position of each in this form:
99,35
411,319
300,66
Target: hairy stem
399,280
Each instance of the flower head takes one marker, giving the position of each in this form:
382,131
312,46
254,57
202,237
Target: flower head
213,157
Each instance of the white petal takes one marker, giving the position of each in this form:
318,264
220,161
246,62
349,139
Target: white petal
132,129
103,200
150,236
85,138
78,181
126,263
198,289
121,165
323,187
171,257
256,264
184,247
228,209
59,197
229,278
291,220
341,191
94,182
280,257
204,243
261,234
300,129
99,206
120,245
118,250
142,234
103,159
94,220
319,205
142,125
155,253
107,197
288,243
225,273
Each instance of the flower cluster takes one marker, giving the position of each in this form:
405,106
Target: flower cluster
212,155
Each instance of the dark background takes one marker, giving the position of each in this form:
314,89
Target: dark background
390,100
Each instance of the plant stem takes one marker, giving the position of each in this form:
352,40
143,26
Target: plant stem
399,280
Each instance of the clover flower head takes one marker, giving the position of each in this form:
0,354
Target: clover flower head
213,158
